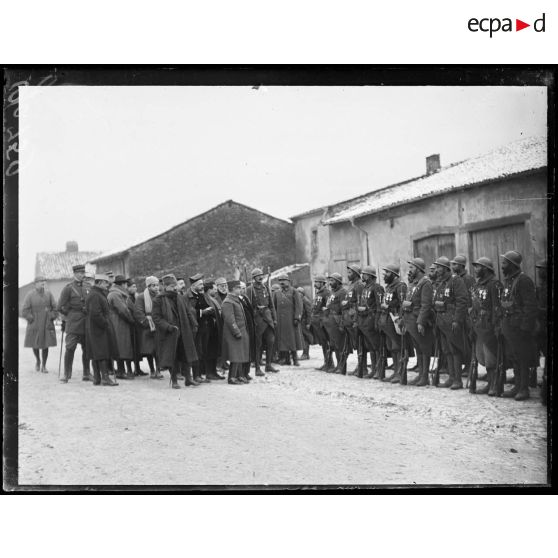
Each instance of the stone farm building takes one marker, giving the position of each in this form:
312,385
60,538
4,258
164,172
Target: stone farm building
57,268
482,206
215,243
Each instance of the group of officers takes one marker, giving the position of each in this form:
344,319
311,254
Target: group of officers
442,312
210,326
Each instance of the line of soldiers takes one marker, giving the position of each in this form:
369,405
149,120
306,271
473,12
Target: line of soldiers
460,320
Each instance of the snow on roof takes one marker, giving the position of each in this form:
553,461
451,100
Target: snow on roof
58,265
288,269
521,156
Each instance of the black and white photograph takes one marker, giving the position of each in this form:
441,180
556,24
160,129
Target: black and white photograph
256,282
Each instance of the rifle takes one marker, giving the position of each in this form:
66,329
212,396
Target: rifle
403,360
382,361
473,371
500,367
438,360
63,327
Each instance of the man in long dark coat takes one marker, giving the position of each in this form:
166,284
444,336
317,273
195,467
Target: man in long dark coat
317,318
71,306
306,324
519,308
333,322
265,320
123,324
450,305
251,327
99,332
418,317
288,306
176,348
367,319
146,335
458,267
236,342
215,327
132,289
39,309
542,322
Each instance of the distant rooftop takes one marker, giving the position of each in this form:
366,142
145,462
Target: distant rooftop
58,265
529,154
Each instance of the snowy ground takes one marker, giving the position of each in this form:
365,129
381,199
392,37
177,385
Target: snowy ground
300,426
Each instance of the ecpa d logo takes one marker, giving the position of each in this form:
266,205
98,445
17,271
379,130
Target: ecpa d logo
493,25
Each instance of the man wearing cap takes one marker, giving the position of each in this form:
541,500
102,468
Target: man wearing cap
99,333
123,324
349,305
333,322
265,320
39,309
418,317
306,327
450,305
236,343
288,306
89,279
519,308
71,306
204,312
542,321
367,317
222,289
390,309
176,347
146,334
132,289
317,318
485,318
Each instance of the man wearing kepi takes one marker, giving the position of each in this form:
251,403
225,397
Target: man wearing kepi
146,336
123,324
101,341
236,343
333,322
390,309
519,307
288,305
317,318
418,316
349,304
265,320
39,309
485,318
72,307
450,305
176,347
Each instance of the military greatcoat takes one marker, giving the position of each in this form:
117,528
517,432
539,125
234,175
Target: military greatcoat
39,309
288,305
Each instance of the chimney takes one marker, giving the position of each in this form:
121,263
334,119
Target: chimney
72,246
432,164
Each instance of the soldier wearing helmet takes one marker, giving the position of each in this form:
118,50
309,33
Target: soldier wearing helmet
390,309
458,267
354,288
317,319
333,322
265,320
367,319
418,318
519,307
485,318
450,305
542,320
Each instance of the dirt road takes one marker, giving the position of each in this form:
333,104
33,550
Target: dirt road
300,426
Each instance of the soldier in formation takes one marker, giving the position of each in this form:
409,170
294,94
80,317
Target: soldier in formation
349,313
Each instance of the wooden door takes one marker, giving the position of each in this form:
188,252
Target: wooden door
432,247
491,243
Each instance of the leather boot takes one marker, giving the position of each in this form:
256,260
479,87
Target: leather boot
523,392
449,364
269,360
396,377
188,379
457,378
484,390
173,378
233,371
129,372
372,373
515,389
491,377
105,378
295,358
68,362
331,366
424,370
87,377
394,367
324,365
96,374
341,367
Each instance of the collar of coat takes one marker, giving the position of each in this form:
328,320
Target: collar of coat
120,290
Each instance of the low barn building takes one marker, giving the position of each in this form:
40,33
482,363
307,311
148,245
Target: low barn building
228,236
57,268
483,206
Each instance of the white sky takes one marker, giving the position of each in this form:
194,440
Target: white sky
111,166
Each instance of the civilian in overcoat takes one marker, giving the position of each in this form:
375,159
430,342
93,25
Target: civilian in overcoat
288,306
147,329
123,324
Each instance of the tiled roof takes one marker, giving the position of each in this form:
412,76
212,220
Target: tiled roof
521,156
58,265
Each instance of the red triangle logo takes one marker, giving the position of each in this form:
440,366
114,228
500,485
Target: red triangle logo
519,25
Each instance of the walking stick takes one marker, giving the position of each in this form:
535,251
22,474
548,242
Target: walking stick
61,350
